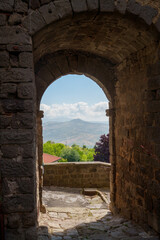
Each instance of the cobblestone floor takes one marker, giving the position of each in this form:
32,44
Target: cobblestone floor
72,215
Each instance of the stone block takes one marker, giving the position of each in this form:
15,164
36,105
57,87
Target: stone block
14,61
147,13
49,13
16,75
13,221
4,59
21,6
18,185
33,22
28,150
15,19
79,6
63,64
16,105
3,19
17,167
16,136
25,90
13,234
133,7
19,48
31,234
63,8
29,219
18,203
26,59
14,35
5,121
121,6
34,4
93,5
23,120
9,88
11,151
7,5
107,6
154,82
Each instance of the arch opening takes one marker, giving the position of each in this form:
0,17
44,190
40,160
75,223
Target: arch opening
118,59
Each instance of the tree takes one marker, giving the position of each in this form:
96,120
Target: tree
102,149
70,154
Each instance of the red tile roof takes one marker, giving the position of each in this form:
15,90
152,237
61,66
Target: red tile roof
47,158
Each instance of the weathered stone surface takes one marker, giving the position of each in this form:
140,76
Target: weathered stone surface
21,6
17,167
31,234
16,137
11,151
9,87
49,13
26,59
28,150
35,4
148,13
84,174
13,221
19,48
133,7
4,59
18,203
6,5
92,5
3,19
25,90
17,105
23,120
107,6
63,8
15,19
14,234
157,24
79,6
121,6
18,185
28,219
16,75
15,35
14,61
33,22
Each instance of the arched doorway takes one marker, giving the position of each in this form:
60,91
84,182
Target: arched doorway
104,40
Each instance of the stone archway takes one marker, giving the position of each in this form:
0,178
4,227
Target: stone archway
122,35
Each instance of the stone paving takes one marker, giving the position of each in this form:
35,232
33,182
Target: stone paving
72,215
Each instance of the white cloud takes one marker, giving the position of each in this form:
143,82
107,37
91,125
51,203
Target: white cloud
82,110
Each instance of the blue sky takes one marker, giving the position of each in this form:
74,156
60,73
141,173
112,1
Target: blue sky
74,96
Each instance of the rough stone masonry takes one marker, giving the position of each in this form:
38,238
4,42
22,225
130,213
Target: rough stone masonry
115,43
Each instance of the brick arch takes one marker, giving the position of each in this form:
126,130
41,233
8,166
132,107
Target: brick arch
56,10
53,66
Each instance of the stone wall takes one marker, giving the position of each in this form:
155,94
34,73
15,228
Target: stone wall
116,43
83,175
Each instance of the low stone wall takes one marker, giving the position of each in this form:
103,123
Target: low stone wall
81,174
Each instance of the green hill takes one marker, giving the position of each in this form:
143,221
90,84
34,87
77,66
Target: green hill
74,131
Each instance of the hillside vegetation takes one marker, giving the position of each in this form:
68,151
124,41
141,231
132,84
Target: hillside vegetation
74,132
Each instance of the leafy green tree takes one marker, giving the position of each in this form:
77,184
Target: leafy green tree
70,154
53,148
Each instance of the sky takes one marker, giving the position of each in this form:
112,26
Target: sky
72,97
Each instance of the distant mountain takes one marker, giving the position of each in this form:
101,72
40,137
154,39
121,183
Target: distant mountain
75,131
